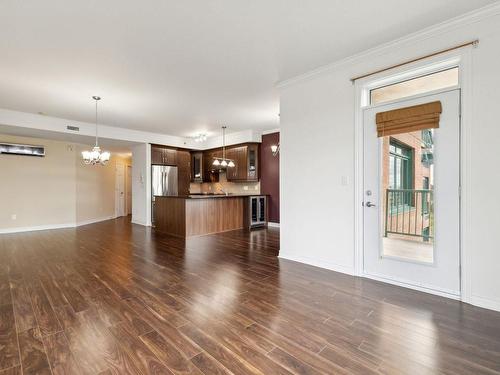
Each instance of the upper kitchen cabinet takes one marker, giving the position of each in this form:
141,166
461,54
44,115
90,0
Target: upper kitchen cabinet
183,160
197,167
246,160
163,156
156,155
210,173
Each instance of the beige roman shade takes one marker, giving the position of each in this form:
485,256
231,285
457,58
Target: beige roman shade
409,119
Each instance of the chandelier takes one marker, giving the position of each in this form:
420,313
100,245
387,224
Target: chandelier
96,156
223,162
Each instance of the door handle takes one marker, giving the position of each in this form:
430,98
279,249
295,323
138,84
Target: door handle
370,204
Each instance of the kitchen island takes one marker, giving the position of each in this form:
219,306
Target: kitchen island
194,215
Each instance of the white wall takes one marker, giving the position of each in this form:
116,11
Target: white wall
36,191
141,184
317,149
54,191
95,188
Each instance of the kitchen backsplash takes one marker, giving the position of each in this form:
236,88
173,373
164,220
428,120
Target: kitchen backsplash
223,184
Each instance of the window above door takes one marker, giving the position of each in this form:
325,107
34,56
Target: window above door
415,86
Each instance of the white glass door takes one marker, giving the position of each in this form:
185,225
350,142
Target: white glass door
411,199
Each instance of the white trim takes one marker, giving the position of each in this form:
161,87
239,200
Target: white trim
139,222
55,226
463,59
466,118
96,220
408,285
485,303
16,119
149,219
273,224
424,34
318,263
36,228
272,131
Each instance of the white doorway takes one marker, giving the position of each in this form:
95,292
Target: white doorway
120,189
128,189
411,213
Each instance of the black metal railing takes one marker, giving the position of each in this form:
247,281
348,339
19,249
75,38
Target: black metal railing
409,212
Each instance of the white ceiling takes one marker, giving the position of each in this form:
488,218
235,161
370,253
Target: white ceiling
183,67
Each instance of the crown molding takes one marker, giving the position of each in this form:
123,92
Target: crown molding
54,125
271,131
424,34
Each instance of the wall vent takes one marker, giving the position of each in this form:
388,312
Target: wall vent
73,128
26,150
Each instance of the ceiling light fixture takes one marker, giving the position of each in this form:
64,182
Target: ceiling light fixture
223,163
202,137
96,156
275,149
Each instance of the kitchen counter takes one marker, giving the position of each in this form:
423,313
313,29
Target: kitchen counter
205,196
199,214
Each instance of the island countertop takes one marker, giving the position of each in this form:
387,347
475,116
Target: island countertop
199,214
205,196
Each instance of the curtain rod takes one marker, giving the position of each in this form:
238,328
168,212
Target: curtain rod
473,43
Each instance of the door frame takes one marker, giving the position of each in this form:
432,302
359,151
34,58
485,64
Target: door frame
120,197
462,59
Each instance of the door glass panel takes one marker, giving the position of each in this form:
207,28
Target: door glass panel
407,183
415,86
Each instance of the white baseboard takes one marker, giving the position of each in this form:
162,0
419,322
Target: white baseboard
36,228
54,226
139,222
318,263
408,285
273,225
97,220
485,303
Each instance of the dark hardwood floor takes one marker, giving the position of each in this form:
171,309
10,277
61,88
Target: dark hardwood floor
116,298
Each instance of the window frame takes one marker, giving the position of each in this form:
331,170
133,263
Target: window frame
411,78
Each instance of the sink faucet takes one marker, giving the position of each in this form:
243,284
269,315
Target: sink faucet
224,192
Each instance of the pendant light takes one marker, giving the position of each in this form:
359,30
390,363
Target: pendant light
96,156
223,163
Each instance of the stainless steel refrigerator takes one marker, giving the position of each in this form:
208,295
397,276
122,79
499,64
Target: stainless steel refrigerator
163,182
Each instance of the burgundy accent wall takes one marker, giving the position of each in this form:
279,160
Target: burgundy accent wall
270,175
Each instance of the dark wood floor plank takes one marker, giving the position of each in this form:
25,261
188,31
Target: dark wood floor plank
9,352
44,312
139,355
208,365
33,355
23,309
5,297
182,343
11,371
227,358
60,357
117,298
168,354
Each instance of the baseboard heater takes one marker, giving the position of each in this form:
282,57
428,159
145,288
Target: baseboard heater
26,150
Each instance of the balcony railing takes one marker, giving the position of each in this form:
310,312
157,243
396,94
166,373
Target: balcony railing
409,213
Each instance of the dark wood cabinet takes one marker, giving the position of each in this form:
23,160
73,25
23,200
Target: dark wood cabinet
183,160
246,160
197,167
210,174
163,156
156,155
170,156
